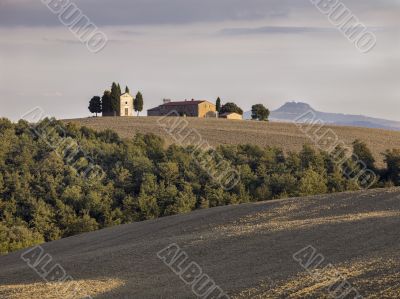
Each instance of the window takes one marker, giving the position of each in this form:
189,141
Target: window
126,103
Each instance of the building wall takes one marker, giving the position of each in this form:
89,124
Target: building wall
234,116
204,108
211,114
126,105
181,110
189,110
155,112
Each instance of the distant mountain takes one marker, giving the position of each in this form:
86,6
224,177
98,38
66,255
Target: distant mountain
292,111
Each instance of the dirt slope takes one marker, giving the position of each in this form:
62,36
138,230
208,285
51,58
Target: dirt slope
220,131
247,250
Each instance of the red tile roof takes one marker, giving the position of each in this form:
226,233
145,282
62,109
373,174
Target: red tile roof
180,103
154,109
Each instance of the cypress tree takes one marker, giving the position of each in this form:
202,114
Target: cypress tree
218,105
106,102
138,103
115,97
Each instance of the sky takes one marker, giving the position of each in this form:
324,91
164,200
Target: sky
245,51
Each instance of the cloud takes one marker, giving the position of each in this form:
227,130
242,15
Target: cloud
276,30
129,32
290,30
62,40
52,94
149,12
173,12
169,48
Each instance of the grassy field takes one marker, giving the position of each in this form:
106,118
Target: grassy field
221,131
247,250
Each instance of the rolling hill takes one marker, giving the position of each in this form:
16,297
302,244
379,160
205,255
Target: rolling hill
291,111
250,251
220,131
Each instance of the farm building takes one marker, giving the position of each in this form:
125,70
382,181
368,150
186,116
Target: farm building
200,109
231,115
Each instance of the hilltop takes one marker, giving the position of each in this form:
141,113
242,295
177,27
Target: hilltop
247,250
291,111
221,131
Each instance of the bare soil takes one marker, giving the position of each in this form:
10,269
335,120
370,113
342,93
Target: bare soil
248,251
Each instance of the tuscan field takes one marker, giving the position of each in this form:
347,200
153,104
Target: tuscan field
219,131
199,149
248,250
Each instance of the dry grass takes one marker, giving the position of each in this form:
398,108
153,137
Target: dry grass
273,221
374,277
75,289
221,131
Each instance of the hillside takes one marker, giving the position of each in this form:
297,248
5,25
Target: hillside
220,131
291,111
248,251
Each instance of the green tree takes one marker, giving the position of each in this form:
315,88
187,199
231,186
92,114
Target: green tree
106,102
336,181
259,112
169,172
127,89
311,158
115,98
95,105
218,104
312,183
362,154
215,196
83,224
184,202
148,206
122,178
138,103
43,220
2,189
43,197
230,108
392,160
17,237
282,184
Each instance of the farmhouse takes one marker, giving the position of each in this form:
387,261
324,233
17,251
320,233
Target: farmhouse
126,106
231,115
201,109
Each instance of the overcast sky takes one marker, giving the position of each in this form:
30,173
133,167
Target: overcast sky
246,51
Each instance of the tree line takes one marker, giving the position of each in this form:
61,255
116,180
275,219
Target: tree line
110,101
44,198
